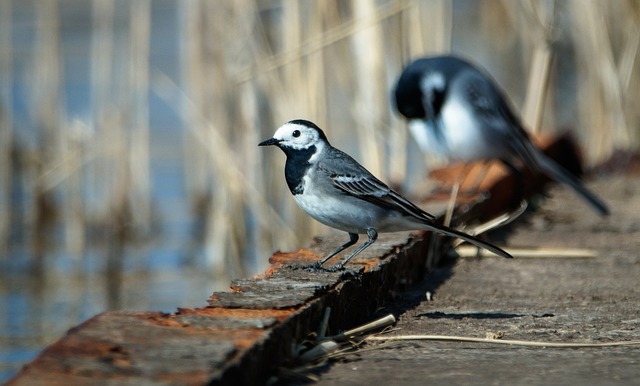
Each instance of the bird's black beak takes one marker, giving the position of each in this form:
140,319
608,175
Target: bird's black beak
269,142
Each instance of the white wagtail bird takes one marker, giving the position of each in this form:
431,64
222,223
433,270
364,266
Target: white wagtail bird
336,190
455,110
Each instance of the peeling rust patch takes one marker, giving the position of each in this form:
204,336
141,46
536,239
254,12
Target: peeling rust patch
299,257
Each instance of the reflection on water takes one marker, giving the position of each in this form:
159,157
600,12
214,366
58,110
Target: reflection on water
41,301
39,308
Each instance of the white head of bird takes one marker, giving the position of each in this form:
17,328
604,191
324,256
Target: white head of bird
298,135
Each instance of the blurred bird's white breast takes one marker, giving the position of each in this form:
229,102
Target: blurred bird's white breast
462,135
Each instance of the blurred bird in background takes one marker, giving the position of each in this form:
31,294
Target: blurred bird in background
457,111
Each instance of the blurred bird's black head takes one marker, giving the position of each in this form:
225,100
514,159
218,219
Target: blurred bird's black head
422,86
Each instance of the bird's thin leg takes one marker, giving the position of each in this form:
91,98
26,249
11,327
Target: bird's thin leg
353,238
373,236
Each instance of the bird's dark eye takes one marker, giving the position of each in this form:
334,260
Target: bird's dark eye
296,133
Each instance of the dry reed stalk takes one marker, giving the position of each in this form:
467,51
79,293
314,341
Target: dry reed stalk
466,251
412,36
197,160
216,221
537,84
227,126
257,239
74,203
628,61
501,341
122,182
398,134
49,109
433,24
248,119
191,74
600,91
48,79
318,92
102,50
6,123
294,101
111,174
368,62
628,39
542,16
139,157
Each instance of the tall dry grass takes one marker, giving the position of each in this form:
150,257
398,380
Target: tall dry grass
244,68
6,124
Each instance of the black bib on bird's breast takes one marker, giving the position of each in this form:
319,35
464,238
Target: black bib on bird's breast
296,167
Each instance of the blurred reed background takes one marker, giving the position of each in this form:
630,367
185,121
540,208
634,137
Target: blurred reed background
130,175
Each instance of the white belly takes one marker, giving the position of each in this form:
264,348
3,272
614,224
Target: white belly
462,139
337,213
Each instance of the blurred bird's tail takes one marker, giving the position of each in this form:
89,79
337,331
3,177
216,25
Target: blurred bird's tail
556,172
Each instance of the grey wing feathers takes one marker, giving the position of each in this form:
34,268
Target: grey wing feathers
360,185
399,201
352,178
489,103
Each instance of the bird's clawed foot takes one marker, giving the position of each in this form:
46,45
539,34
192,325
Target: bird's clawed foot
317,267
335,268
